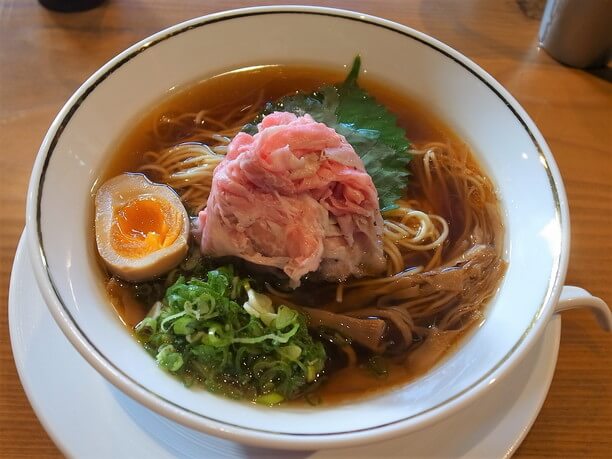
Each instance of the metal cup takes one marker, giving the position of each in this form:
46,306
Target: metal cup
578,32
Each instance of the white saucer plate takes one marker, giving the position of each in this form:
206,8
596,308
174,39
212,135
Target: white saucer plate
87,417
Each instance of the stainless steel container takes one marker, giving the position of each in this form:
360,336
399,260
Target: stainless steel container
578,32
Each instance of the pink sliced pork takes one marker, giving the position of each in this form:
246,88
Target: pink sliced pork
294,196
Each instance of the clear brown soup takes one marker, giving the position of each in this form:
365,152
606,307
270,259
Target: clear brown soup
243,87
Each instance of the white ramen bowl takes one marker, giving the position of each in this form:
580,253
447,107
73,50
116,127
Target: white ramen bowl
502,136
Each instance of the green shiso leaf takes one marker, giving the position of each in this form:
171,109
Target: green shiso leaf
367,125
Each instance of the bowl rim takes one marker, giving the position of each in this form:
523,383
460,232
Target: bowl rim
262,437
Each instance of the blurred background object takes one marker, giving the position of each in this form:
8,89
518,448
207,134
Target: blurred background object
578,33
533,9
69,6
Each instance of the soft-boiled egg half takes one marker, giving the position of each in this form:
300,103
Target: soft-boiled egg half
142,228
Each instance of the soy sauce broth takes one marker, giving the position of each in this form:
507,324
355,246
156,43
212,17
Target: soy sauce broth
244,87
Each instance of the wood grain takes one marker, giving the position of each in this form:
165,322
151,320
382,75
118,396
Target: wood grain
44,56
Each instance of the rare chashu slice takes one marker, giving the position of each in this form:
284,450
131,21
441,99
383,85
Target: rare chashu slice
142,228
295,196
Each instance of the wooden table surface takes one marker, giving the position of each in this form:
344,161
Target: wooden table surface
45,56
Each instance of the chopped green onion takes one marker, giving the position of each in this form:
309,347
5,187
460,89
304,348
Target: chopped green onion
168,358
219,332
183,326
291,352
311,373
146,326
270,399
284,317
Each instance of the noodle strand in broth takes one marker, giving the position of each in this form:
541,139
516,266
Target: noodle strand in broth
442,240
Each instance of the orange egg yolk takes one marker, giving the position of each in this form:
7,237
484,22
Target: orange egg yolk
144,226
